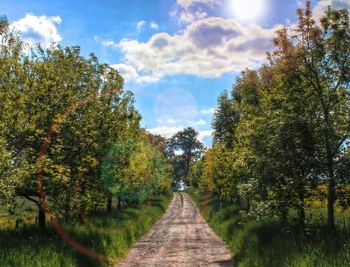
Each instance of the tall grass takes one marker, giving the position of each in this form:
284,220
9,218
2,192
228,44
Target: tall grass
109,235
266,243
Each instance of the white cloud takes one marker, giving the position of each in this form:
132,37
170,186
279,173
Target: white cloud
180,123
165,131
208,111
204,134
190,17
322,6
129,73
38,29
154,25
140,24
209,47
320,9
188,3
108,43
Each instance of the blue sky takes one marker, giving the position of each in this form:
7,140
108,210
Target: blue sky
175,55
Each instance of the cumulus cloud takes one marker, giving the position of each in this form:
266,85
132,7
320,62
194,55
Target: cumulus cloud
189,17
38,29
142,24
322,6
204,134
209,47
165,131
129,73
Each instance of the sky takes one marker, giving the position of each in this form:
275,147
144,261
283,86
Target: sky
175,55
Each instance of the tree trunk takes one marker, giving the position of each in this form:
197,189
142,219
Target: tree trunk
284,216
119,203
109,205
330,201
248,205
331,181
301,212
41,218
331,188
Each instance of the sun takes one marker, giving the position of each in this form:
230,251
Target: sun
247,10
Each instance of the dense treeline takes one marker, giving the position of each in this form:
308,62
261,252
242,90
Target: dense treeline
282,137
97,150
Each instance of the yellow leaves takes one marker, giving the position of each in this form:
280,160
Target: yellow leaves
57,172
91,161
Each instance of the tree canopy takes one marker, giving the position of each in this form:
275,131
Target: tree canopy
81,104
284,133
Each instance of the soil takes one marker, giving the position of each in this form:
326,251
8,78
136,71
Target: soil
180,238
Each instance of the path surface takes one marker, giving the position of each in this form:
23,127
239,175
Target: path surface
180,238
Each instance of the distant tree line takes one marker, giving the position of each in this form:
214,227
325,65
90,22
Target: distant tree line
282,134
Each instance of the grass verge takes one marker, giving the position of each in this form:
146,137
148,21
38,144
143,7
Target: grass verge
110,235
266,243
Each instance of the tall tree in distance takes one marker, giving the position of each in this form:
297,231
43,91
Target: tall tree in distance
184,149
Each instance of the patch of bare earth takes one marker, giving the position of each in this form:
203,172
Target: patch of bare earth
180,238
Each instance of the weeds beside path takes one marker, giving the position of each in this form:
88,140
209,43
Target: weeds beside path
266,243
112,235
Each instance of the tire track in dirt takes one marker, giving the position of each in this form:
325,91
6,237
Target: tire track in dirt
181,238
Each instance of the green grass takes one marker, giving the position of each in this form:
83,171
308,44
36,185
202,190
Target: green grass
25,210
266,243
109,235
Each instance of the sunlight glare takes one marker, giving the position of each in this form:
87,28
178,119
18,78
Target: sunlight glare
246,10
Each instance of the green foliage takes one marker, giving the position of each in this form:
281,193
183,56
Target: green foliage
78,106
110,235
225,120
196,173
286,128
134,169
183,149
266,243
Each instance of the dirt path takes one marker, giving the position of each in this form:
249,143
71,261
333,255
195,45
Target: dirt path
180,238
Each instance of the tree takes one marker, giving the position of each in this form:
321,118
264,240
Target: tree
196,173
224,121
38,90
320,56
184,149
13,169
292,131
134,170
157,141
